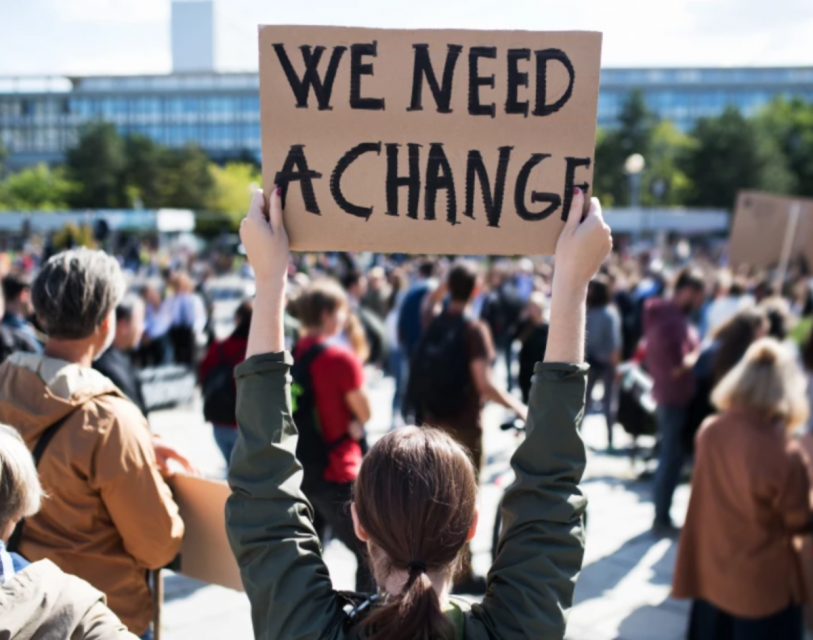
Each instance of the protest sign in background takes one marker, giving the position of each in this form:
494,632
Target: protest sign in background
769,228
423,141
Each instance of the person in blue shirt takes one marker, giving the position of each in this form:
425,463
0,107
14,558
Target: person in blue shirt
19,308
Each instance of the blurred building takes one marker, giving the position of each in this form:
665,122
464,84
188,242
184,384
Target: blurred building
40,117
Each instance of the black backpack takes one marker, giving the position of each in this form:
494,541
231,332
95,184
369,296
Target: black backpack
220,392
312,450
440,382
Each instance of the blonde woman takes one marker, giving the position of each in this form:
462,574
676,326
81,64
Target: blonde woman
38,597
749,499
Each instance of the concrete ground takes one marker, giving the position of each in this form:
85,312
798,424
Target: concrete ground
623,591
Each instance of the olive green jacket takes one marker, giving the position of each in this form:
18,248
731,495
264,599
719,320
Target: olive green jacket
269,520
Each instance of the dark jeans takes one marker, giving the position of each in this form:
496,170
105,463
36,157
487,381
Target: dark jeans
707,622
331,502
147,635
671,423
606,374
226,438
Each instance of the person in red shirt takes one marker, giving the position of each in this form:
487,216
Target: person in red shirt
343,406
227,353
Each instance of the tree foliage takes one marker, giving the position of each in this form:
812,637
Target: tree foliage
790,125
36,188
96,165
731,153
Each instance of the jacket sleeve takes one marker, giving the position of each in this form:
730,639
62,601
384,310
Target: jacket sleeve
100,623
540,553
138,500
269,520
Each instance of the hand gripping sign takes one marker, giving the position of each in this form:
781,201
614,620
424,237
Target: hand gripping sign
424,141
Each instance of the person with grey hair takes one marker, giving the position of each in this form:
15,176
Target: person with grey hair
111,516
38,600
117,363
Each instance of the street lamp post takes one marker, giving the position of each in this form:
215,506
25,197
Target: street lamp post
633,167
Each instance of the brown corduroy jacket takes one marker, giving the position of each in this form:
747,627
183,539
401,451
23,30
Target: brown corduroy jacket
749,498
109,516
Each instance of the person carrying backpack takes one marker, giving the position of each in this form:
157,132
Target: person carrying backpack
450,376
415,497
216,372
330,405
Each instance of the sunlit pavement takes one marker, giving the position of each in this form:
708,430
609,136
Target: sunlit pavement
623,591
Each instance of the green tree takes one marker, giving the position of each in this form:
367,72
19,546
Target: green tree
637,124
790,125
234,184
663,182
142,171
96,164
731,153
3,156
36,188
185,181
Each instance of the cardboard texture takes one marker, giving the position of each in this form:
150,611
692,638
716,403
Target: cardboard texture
205,552
503,107
760,225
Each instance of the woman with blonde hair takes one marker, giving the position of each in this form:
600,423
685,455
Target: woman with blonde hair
750,497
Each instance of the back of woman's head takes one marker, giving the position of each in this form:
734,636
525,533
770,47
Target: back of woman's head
768,383
735,336
321,297
415,498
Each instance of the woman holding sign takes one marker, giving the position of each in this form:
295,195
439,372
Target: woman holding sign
415,497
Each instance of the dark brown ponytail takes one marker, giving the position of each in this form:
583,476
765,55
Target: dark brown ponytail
415,497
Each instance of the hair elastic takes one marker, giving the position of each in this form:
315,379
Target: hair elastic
417,566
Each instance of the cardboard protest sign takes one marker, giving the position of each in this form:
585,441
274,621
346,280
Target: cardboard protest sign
764,222
427,141
205,552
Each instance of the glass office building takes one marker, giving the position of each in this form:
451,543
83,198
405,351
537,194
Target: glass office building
40,117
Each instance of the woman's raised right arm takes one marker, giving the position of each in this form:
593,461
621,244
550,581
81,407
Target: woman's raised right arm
531,584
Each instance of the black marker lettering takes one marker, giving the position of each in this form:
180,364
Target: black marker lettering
423,68
310,78
439,176
570,171
554,199
492,204
476,81
516,79
296,160
412,180
336,178
357,69
542,57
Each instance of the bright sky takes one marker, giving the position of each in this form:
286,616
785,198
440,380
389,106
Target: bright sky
132,36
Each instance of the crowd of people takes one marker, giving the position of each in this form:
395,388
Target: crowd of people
728,354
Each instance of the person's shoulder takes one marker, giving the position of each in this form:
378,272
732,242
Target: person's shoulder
114,411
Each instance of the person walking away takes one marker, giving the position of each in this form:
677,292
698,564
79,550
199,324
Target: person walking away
502,309
188,320
18,310
750,497
110,517
533,336
415,498
216,372
156,347
372,324
38,600
117,362
603,348
670,338
450,376
331,404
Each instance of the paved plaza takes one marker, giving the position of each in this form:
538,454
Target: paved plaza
623,591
